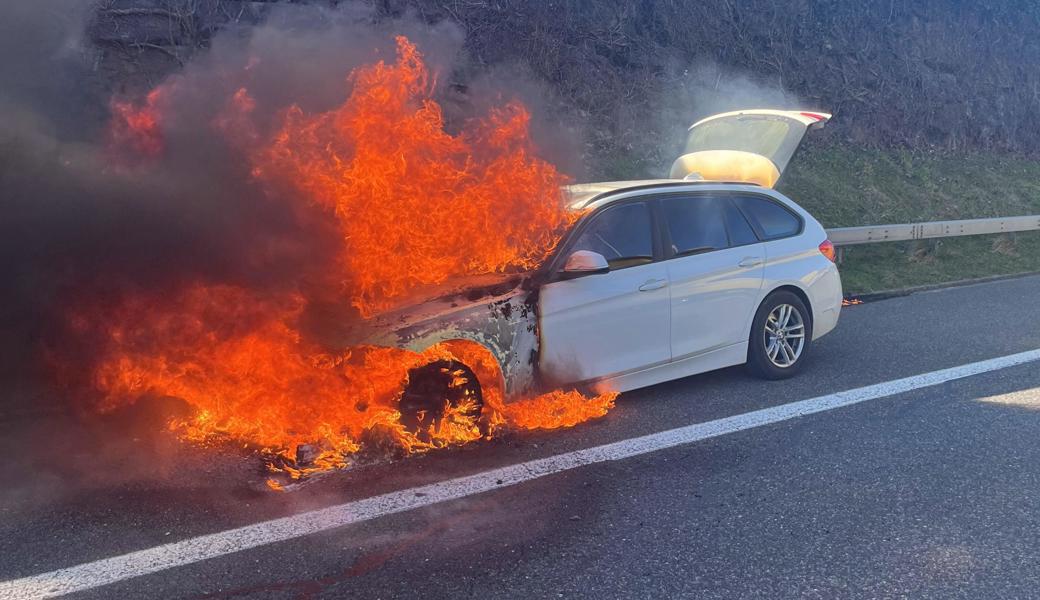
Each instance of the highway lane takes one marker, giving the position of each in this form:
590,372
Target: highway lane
675,521
931,494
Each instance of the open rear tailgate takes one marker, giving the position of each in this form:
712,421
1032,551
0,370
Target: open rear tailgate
752,146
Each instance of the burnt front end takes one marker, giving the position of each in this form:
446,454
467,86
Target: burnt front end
498,316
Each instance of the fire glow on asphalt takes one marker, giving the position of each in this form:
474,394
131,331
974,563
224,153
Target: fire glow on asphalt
412,205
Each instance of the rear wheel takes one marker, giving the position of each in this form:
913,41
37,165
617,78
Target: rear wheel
780,336
434,389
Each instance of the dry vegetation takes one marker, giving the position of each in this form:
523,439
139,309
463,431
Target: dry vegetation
945,73
936,102
939,73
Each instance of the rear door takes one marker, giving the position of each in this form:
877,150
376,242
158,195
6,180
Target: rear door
749,146
606,324
715,268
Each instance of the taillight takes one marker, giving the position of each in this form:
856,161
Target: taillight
827,249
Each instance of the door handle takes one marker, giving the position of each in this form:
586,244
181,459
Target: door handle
749,261
653,284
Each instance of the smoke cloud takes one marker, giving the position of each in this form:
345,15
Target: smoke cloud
654,128
86,219
74,219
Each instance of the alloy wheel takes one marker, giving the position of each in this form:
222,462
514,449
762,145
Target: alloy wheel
784,335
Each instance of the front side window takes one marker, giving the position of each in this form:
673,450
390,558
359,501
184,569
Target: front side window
622,234
695,225
770,219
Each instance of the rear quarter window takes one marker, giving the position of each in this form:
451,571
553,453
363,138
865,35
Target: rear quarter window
740,231
770,220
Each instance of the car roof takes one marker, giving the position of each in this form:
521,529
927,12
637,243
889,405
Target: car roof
583,195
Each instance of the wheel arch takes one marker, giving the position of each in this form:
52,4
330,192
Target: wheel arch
785,287
757,352
797,291
479,358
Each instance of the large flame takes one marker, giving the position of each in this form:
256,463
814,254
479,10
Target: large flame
477,202
413,205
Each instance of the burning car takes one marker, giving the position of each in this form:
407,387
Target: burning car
657,280
438,293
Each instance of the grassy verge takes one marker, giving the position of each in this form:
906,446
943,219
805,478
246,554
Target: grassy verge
845,187
881,267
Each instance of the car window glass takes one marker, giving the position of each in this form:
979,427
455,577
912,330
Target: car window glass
695,224
621,234
773,220
740,232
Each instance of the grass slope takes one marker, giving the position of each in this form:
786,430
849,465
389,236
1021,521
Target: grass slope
845,186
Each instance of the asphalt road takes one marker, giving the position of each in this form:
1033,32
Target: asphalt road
933,492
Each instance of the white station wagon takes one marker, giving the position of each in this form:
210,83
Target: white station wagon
658,280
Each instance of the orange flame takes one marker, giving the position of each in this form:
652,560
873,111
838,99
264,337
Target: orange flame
241,363
414,205
477,202
135,130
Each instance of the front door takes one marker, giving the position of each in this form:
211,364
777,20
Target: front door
605,324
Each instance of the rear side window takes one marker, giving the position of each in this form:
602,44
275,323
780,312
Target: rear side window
771,220
622,234
695,225
740,232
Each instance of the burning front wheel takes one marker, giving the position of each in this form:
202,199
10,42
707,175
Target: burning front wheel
442,403
780,336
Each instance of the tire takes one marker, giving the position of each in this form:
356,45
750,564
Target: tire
422,402
773,356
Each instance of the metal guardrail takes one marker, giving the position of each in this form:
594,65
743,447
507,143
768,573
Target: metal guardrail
871,234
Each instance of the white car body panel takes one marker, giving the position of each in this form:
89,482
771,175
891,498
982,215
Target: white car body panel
691,365
711,296
796,262
599,330
599,326
807,118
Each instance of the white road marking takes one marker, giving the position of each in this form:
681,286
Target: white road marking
143,562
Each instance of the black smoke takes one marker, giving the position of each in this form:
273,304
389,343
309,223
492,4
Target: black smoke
84,222
75,221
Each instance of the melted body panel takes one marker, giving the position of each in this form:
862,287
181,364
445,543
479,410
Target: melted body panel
499,315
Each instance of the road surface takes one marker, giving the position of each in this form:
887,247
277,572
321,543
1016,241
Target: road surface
923,482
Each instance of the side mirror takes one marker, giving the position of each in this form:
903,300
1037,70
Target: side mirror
584,262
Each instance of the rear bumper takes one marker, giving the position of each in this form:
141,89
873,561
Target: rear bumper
826,300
